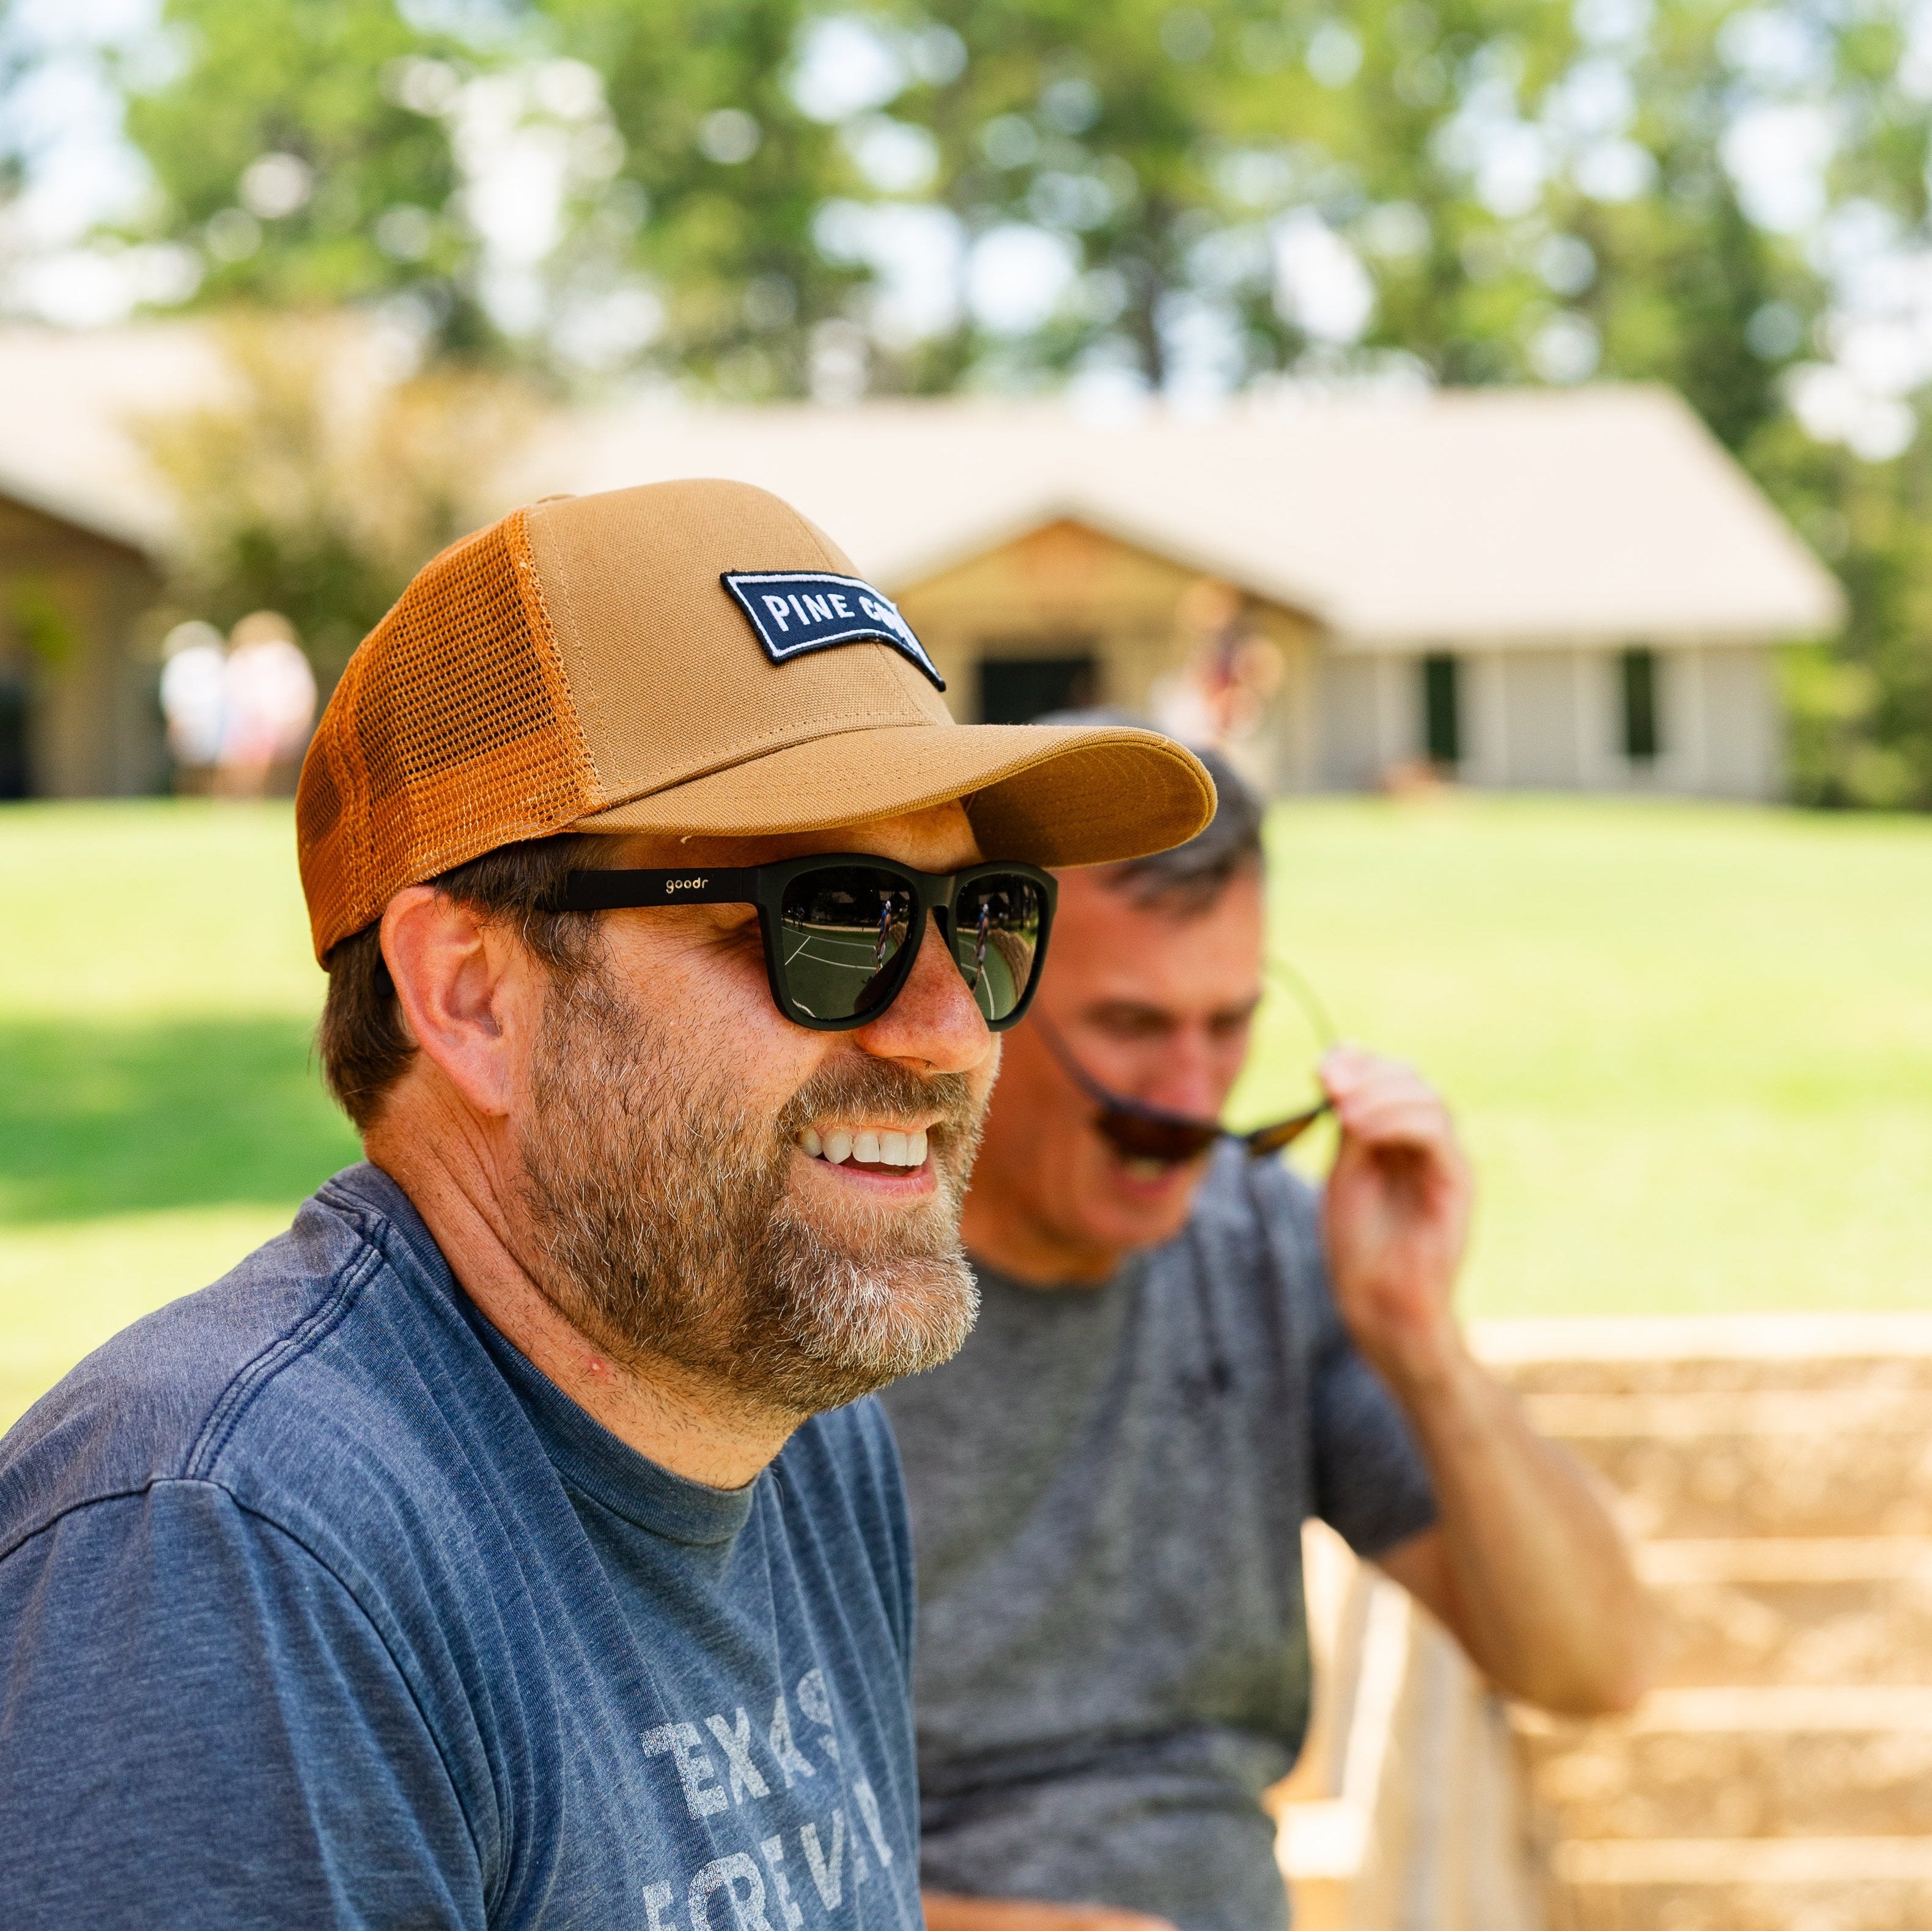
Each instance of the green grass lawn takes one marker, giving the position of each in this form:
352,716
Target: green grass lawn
159,1116
1691,1047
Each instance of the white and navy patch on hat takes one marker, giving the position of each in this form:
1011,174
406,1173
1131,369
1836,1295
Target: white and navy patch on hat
795,612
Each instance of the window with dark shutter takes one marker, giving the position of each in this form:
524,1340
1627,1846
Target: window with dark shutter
1442,710
1643,739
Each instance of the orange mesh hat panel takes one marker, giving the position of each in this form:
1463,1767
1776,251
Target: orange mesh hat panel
452,732
681,657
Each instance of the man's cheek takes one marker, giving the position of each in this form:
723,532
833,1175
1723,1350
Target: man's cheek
983,1076
749,1050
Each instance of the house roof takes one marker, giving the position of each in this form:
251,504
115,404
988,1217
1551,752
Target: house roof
71,399
1602,514
1599,515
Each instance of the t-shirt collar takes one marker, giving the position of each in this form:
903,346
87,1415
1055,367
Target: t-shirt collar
584,1453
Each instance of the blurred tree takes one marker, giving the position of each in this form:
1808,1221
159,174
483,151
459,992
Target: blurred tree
1680,191
1115,135
18,56
303,147
1188,193
320,483
591,178
718,179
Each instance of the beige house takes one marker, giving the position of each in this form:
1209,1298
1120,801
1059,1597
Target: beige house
84,528
1570,590
78,714
1567,590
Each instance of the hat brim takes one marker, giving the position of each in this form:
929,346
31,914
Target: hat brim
1047,795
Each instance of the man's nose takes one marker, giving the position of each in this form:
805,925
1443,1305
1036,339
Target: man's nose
1187,1079
934,1021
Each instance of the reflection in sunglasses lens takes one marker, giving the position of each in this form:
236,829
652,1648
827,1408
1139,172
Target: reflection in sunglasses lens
841,940
996,928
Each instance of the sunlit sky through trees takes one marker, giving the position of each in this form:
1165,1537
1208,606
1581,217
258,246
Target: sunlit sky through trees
532,135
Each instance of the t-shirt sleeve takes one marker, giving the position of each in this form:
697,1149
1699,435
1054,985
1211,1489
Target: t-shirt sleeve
1370,1482
200,1727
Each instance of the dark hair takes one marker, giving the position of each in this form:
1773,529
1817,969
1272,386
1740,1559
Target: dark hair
363,1044
1189,878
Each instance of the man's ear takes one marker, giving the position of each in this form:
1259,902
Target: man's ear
469,991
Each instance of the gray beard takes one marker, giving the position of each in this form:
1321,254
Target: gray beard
665,1225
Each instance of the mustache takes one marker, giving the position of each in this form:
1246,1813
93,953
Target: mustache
885,1089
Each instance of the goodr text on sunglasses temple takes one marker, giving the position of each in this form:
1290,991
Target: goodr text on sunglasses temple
842,929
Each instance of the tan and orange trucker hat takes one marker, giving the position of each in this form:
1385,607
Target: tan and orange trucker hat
689,658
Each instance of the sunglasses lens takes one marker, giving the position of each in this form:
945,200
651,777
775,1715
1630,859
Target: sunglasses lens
1171,1141
997,923
842,940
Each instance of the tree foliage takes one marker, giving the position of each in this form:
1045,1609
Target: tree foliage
1466,190
727,176
316,484
290,148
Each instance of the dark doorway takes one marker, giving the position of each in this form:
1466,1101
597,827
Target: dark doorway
1643,739
1016,690
13,736
1442,711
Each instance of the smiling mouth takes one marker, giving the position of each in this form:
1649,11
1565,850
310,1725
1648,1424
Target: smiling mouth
1137,1168
872,1149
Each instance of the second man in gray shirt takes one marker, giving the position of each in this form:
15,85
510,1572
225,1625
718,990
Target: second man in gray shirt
1179,1359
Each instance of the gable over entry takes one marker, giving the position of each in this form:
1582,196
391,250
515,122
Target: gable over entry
1067,614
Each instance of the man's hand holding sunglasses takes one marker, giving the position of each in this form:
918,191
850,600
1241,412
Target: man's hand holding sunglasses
1396,1213
1526,1567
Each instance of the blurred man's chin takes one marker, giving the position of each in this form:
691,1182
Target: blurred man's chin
1124,1225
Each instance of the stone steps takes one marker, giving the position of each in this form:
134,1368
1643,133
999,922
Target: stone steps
1770,1462
1798,1609
1778,1474
1815,1884
1766,1761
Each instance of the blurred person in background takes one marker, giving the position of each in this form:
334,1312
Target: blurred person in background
1177,1360
238,717
509,1545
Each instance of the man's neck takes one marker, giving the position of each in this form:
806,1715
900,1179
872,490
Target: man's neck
690,1423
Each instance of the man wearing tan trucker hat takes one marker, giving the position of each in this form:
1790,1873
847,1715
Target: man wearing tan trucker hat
506,1545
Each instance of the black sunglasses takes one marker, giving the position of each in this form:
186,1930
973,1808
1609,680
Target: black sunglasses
1148,1133
841,929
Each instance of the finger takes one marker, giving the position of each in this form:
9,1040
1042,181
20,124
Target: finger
1392,1087
1345,1069
1389,1088
1405,1122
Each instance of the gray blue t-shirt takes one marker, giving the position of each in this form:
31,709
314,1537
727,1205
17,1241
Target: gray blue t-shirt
1107,1489
319,1606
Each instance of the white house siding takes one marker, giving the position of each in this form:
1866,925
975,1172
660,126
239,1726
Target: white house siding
1543,747
1744,750
1352,732
1553,720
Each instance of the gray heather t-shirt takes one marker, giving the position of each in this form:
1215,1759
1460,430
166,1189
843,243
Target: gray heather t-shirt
1107,1487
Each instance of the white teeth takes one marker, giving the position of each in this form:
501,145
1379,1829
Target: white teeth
876,1147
